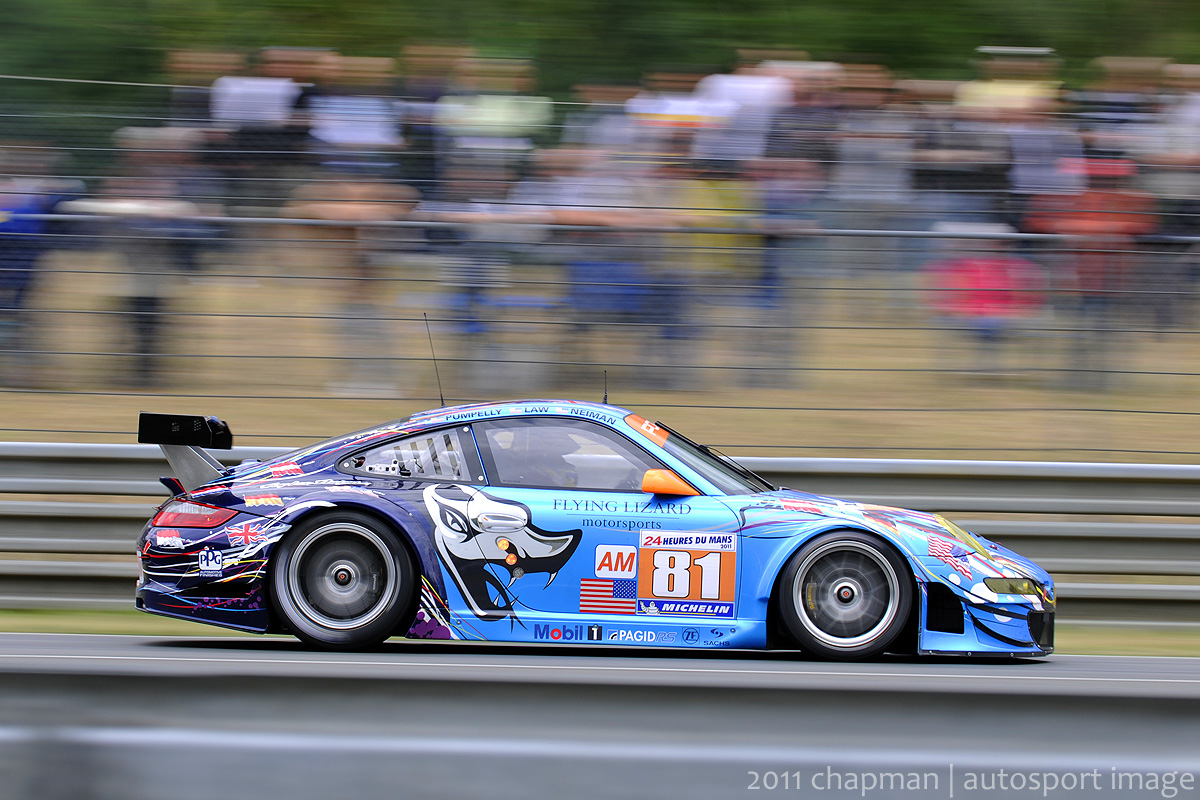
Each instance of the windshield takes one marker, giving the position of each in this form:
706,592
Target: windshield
719,469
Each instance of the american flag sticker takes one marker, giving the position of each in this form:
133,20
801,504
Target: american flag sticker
600,596
951,553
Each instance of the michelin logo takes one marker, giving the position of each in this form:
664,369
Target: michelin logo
685,608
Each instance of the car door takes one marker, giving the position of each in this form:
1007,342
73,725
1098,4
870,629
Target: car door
596,546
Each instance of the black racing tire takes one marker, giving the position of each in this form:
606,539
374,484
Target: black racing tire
845,596
343,580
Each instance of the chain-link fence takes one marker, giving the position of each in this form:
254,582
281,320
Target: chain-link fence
892,275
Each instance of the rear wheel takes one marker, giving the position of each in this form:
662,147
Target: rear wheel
344,580
846,595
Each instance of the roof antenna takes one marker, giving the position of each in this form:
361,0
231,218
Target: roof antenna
432,352
605,387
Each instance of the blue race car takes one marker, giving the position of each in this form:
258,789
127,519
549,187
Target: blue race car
555,521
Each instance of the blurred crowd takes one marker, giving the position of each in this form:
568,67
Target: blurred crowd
1005,208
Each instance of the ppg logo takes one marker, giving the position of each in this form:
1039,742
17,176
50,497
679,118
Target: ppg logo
210,561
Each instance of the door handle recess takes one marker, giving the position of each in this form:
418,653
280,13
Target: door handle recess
494,522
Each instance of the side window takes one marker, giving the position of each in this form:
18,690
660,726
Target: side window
445,455
561,453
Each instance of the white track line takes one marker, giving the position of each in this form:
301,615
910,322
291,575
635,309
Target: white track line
991,676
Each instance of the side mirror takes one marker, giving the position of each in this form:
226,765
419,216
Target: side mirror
664,481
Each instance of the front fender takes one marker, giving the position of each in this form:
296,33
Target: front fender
774,564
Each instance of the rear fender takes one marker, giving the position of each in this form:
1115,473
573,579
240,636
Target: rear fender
410,526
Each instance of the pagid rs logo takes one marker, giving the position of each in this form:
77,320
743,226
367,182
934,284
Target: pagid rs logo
569,633
625,635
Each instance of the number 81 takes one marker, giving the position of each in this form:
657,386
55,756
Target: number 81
673,578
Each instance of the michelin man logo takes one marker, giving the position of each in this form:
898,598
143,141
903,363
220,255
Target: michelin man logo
480,537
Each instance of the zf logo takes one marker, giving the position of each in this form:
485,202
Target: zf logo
690,635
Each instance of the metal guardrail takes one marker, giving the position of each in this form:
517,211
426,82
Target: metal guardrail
1122,539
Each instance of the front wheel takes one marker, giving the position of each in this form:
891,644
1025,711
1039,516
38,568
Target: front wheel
343,580
844,596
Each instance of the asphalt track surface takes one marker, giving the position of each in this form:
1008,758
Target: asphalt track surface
131,717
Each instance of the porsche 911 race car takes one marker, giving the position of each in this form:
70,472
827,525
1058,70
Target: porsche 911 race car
555,521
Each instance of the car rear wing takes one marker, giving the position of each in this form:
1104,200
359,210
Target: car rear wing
181,438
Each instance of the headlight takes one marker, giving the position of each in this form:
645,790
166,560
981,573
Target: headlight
1011,585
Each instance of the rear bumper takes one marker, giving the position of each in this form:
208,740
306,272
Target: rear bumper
245,613
216,576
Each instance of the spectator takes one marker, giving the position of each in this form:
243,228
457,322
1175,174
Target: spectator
23,241
871,179
192,72
616,281
1103,261
806,128
1043,145
982,289
475,252
155,217
790,206
600,123
1118,105
960,163
366,335
746,101
667,113
355,125
493,110
266,117
428,71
